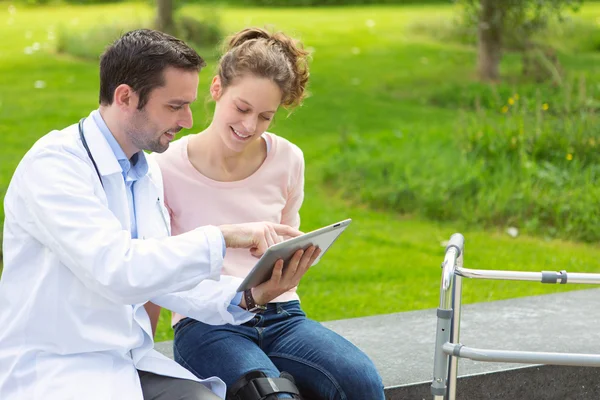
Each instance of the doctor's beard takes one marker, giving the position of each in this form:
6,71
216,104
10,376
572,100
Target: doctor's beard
145,135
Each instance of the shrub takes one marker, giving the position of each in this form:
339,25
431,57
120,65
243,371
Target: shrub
319,3
252,3
202,32
90,43
534,130
523,163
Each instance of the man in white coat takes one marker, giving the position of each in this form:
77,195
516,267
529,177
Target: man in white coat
86,244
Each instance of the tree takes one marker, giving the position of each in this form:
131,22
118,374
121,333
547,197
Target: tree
164,16
497,20
204,30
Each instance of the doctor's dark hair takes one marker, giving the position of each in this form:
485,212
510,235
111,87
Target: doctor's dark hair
274,56
138,59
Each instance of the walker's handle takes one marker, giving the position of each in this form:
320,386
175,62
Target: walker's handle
457,241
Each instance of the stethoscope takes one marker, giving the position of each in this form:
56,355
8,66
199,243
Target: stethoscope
85,145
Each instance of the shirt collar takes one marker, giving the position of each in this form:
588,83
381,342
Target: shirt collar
132,169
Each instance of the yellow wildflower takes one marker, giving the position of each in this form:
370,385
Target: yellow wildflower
569,157
545,106
592,142
505,109
511,101
516,96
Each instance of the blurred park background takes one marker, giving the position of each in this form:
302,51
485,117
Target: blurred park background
425,118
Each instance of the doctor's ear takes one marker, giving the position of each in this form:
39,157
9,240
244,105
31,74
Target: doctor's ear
216,90
125,97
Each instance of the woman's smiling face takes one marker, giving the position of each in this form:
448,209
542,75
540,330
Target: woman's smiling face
244,110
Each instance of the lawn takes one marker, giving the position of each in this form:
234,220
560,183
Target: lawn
371,77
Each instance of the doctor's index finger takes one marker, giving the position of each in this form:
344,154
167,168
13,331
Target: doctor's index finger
286,230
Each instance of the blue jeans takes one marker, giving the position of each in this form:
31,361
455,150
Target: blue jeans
325,365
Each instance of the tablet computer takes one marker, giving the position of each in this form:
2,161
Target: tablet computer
323,238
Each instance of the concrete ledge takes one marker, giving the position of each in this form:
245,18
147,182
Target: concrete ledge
547,382
402,345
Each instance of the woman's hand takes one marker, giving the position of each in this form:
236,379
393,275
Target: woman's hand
283,280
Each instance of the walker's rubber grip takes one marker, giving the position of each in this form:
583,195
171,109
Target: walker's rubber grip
458,241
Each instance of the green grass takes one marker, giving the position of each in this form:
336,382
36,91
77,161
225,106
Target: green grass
369,83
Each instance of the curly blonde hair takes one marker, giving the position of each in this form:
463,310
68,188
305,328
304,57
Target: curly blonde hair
274,56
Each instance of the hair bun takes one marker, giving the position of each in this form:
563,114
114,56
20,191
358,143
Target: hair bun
246,35
275,56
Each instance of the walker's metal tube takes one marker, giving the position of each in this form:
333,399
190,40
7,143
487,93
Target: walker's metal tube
448,271
575,277
455,330
524,357
492,274
440,359
453,251
543,277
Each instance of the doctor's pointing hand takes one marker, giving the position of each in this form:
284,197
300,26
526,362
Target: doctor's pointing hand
257,236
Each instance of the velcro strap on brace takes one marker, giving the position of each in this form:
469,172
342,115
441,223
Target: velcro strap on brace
256,386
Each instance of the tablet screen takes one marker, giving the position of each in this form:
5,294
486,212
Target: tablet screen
323,238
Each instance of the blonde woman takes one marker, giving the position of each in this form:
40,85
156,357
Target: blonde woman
235,171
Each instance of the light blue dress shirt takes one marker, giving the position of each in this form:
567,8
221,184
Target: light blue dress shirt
132,170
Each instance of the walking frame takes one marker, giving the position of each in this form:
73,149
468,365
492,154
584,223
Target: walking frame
447,346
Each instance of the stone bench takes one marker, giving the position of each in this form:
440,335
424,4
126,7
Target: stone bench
402,345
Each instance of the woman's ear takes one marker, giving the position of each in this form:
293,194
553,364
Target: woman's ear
215,88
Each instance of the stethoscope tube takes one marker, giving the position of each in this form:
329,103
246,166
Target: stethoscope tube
85,145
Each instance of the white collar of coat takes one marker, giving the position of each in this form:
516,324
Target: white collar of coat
100,149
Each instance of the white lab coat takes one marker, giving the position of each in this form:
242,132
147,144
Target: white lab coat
72,321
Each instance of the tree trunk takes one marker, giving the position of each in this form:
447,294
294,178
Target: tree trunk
164,16
489,39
